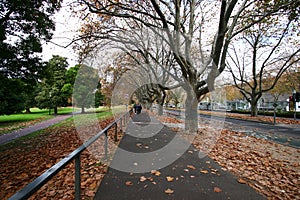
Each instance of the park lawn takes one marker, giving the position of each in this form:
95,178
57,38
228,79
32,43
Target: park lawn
9,123
76,120
88,118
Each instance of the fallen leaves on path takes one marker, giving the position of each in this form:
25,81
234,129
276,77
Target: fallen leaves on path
217,190
270,168
169,191
143,178
191,167
204,171
155,172
242,181
128,183
170,178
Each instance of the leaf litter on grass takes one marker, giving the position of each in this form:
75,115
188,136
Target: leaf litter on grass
23,163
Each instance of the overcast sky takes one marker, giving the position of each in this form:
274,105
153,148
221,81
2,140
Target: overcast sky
66,27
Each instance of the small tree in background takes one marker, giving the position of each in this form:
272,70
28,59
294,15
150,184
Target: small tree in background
85,87
52,93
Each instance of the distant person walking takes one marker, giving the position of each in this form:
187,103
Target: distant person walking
137,108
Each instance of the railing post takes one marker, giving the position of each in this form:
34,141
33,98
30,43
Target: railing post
121,124
106,145
116,131
77,178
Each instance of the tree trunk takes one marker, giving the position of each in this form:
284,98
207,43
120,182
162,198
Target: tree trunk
191,114
253,108
55,110
27,110
160,109
160,104
82,109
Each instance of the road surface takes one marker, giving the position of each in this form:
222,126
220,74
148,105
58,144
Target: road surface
287,134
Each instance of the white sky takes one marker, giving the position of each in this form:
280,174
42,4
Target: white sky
66,29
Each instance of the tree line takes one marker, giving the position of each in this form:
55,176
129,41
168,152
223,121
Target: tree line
57,86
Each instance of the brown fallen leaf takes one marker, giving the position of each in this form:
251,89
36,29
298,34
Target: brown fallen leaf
93,185
170,178
150,179
242,181
217,190
155,172
90,193
143,178
169,191
204,171
128,183
191,167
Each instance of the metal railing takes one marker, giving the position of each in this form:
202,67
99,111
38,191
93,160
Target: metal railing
36,184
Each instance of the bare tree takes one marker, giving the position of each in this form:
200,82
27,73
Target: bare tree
267,52
181,25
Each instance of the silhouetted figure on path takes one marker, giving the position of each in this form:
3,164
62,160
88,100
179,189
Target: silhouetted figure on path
137,108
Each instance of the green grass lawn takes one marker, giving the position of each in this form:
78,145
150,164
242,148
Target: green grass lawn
13,122
9,123
78,120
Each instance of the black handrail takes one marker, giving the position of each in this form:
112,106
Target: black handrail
36,184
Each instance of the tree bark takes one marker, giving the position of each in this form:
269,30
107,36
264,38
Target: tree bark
27,110
82,109
253,108
160,109
191,113
55,110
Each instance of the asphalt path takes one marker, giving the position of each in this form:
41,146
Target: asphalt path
287,134
178,172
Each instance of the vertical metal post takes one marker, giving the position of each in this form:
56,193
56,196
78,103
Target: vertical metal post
116,131
77,178
121,124
106,145
295,107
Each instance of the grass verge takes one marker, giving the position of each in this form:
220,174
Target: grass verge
69,122
9,123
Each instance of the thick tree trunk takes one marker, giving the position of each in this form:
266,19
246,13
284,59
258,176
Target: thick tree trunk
148,105
82,109
55,110
160,109
191,114
253,108
27,110
160,105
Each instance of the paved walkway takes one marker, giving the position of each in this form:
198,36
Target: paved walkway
142,149
22,132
